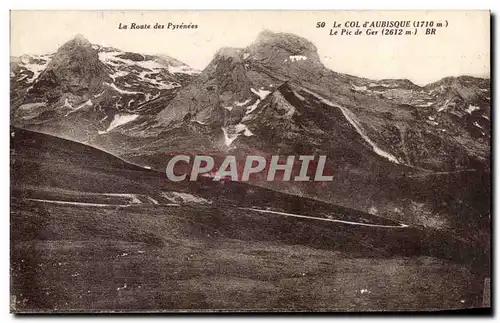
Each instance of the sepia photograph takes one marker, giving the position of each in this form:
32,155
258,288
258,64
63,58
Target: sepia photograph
250,161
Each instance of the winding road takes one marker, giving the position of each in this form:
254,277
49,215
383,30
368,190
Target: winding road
401,225
327,220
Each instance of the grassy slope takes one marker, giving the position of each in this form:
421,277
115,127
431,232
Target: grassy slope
73,258
76,259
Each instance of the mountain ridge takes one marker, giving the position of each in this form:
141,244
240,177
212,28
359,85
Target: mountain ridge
102,85
276,97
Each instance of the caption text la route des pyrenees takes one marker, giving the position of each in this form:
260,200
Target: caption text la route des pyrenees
157,26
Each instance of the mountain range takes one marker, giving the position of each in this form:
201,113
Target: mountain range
84,90
398,150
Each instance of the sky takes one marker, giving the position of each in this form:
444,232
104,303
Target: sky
462,48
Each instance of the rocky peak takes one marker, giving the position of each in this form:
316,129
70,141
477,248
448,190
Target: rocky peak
77,52
283,47
78,40
75,68
287,40
228,53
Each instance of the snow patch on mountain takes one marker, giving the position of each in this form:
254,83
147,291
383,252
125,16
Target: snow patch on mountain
160,85
150,97
251,108
86,103
119,120
359,88
67,104
149,64
300,97
112,59
228,137
444,106
232,132
239,128
296,58
240,104
99,94
28,106
22,78
261,93
357,125
424,105
183,69
118,74
378,84
120,90
36,69
33,63
471,109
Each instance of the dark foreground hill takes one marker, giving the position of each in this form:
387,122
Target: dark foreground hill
89,231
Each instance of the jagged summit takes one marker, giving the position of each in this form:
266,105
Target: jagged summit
77,52
228,52
75,68
98,81
234,80
276,51
283,47
77,42
288,40
271,48
80,38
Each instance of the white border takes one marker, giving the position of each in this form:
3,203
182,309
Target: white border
253,4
